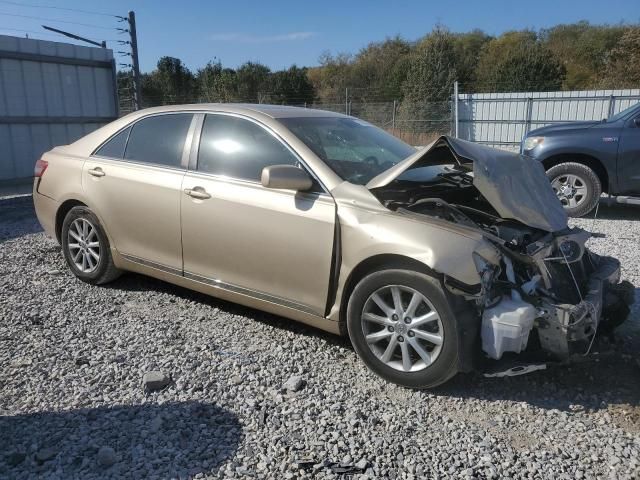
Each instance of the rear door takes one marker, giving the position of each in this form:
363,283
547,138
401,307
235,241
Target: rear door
629,158
134,183
276,245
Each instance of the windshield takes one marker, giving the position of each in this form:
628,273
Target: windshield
356,150
623,113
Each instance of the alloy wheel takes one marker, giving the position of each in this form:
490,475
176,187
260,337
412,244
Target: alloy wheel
402,328
83,245
570,189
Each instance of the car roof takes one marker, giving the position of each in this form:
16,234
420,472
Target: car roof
273,111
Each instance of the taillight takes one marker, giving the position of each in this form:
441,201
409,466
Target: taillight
41,166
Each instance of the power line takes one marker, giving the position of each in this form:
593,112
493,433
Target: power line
55,20
31,5
34,32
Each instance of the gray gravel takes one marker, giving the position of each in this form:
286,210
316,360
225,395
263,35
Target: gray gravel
244,394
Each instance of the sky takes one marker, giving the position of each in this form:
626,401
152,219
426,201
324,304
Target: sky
282,33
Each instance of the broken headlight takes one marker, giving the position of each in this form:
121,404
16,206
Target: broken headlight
488,272
570,250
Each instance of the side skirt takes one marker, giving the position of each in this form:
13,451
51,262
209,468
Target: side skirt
228,292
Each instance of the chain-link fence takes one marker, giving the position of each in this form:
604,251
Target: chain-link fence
415,123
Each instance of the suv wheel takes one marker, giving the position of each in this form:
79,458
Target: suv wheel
402,326
577,186
86,247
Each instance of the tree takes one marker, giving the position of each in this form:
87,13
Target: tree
583,50
467,48
250,80
216,84
430,77
518,61
289,86
378,70
332,77
170,82
622,66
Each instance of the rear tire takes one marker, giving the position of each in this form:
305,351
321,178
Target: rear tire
86,248
384,338
577,186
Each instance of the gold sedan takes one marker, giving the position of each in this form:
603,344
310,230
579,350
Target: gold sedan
421,256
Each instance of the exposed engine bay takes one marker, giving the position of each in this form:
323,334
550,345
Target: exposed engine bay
546,284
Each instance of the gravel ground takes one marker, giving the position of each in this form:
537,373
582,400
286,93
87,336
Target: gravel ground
234,392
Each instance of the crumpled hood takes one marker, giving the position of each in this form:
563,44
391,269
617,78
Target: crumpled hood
515,186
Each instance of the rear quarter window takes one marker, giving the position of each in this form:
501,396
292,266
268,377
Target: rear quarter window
114,148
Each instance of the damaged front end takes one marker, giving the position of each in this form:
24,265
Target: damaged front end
555,286
545,284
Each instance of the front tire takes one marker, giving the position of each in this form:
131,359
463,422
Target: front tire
577,186
85,247
403,328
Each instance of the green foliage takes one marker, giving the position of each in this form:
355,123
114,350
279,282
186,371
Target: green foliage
518,61
583,49
170,82
251,78
289,86
568,56
430,76
216,84
622,66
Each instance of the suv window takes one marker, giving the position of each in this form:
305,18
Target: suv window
114,148
238,148
159,139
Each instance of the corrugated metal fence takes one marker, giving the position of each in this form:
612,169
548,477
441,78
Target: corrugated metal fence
502,119
51,94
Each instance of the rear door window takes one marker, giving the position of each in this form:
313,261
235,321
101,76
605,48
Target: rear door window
159,139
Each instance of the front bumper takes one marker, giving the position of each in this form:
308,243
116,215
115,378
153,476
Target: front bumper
564,329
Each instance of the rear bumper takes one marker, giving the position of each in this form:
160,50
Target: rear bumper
46,209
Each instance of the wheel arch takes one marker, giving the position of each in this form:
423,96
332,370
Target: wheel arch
587,160
386,261
465,316
63,209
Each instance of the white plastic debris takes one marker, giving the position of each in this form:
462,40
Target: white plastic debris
506,326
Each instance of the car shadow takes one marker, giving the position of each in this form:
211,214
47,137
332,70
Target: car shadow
614,211
140,283
609,375
17,217
128,441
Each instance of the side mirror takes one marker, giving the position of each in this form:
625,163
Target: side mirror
286,177
636,121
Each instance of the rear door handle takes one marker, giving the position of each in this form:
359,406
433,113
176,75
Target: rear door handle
96,172
197,192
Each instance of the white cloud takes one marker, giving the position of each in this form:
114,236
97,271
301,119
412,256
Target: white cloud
249,38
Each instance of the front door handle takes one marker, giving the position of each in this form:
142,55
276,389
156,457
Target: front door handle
96,172
197,192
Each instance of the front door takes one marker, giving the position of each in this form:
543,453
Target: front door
134,181
272,244
629,158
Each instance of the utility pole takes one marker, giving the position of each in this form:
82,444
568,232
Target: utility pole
137,87
346,101
455,109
